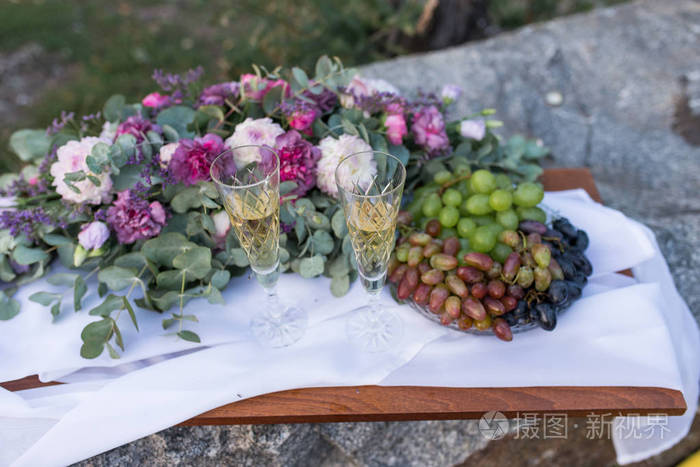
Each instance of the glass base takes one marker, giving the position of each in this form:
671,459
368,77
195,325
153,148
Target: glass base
280,330
374,330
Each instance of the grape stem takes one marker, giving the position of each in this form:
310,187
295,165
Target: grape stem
446,185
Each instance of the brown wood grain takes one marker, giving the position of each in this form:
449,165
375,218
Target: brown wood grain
377,403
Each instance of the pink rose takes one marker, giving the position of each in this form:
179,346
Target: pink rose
429,130
155,100
302,119
395,128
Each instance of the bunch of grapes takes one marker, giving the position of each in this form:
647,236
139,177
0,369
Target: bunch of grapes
501,266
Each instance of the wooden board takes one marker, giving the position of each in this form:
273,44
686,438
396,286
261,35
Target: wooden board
377,403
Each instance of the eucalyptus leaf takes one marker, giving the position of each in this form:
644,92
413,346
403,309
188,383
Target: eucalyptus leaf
112,353
339,266
340,228
130,310
187,199
98,331
239,257
44,298
65,279
189,336
311,267
24,255
110,304
162,249
30,145
288,186
170,280
9,307
220,279
134,260
196,262
79,291
117,278
214,297
323,243
340,285
7,274
177,117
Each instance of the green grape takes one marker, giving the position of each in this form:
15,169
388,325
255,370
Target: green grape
483,239
432,205
496,228
533,214
465,227
508,219
451,197
462,168
500,200
447,232
500,252
449,216
483,181
442,177
464,243
415,208
528,195
478,204
463,188
460,257
483,220
504,182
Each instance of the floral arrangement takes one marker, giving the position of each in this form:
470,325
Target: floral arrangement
125,194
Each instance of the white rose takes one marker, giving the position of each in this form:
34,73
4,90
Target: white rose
166,153
335,150
71,158
221,223
259,132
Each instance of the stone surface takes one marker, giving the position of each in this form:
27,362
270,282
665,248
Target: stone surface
620,73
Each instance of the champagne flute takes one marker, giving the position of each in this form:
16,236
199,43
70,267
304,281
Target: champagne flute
247,178
370,185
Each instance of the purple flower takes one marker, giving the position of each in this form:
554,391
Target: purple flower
25,221
218,93
325,101
136,126
450,93
133,218
192,159
93,235
474,129
429,130
156,101
57,125
298,160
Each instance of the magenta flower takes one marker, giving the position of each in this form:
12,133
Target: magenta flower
218,93
429,130
302,118
136,126
255,88
298,160
133,218
156,100
395,128
192,159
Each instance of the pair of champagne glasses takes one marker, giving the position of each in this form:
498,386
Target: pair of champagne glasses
370,186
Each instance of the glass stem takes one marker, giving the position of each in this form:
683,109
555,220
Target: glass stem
373,302
269,283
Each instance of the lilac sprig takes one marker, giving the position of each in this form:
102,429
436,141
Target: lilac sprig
176,84
26,221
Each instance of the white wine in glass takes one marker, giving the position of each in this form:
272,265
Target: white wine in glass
370,186
247,178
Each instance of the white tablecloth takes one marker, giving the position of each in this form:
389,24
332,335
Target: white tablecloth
622,332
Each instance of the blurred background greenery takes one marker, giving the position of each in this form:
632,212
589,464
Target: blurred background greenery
72,54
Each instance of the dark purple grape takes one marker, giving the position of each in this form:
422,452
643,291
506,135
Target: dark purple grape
521,310
510,319
558,292
553,234
580,278
532,227
581,242
567,267
564,226
574,290
546,316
